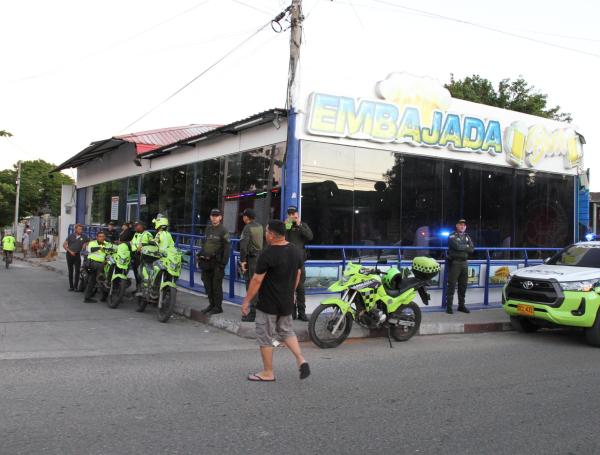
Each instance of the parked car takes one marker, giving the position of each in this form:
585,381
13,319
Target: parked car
564,291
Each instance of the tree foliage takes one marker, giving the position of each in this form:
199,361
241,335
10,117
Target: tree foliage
4,133
38,189
515,95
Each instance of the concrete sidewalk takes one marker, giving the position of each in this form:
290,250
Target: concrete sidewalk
190,304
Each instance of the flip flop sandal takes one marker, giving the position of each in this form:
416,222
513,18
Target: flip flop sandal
257,378
304,370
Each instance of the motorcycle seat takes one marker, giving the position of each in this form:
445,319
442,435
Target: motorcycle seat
405,285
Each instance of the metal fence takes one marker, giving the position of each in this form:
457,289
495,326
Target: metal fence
335,258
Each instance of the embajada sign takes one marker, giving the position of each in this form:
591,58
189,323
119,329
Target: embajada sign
415,110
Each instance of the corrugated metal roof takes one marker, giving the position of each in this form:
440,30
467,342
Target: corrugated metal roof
153,143
166,136
261,118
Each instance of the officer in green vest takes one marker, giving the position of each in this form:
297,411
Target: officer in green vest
212,259
251,244
96,256
140,238
163,237
8,245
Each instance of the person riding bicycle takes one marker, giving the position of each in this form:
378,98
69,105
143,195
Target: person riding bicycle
162,238
97,250
8,245
140,238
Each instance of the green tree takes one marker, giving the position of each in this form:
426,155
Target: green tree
515,95
4,133
38,189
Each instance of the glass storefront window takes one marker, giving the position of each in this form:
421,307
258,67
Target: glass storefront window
359,196
186,194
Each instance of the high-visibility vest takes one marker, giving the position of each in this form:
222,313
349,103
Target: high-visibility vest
97,252
164,240
140,238
8,243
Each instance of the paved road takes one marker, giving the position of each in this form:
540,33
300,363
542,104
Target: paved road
83,379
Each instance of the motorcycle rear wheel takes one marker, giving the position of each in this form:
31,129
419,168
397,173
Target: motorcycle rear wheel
116,297
410,312
169,296
321,323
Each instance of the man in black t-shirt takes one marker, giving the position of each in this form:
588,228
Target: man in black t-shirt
275,280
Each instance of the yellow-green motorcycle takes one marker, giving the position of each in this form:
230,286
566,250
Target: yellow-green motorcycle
373,299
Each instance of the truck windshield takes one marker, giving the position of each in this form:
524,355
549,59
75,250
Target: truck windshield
577,256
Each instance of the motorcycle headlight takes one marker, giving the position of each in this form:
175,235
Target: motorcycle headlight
583,286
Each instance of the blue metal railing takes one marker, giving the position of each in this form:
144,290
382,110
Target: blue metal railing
345,253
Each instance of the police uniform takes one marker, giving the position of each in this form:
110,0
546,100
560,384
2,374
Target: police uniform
212,259
96,258
139,239
251,244
299,235
459,248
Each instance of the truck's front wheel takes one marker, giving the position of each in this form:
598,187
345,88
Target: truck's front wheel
592,335
523,325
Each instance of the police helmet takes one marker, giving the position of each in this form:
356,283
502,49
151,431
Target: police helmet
392,278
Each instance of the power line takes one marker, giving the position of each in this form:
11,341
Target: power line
486,27
113,45
206,70
253,7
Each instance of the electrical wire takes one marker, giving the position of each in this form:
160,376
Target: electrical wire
111,46
486,27
198,76
269,13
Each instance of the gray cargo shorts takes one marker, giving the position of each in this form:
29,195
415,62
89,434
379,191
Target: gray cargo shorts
270,326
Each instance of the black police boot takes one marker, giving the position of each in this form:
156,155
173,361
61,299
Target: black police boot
302,315
463,308
249,318
449,308
208,309
216,310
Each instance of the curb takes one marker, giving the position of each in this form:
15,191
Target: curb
246,329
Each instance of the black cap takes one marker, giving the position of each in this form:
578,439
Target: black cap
250,213
461,221
292,209
215,212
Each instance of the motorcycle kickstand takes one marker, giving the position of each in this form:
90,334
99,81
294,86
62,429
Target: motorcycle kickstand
389,335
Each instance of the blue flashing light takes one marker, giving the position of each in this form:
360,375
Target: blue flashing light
445,233
589,237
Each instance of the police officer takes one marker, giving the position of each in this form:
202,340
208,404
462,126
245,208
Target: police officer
163,237
251,244
212,260
140,238
299,234
96,257
460,246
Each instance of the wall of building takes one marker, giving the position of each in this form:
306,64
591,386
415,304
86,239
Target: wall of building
119,163
67,212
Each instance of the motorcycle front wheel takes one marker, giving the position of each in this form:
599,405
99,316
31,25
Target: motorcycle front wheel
322,322
118,292
410,320
164,312
141,304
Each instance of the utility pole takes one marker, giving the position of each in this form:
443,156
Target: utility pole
296,19
16,223
292,160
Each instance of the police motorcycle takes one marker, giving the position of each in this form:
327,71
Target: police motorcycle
159,269
115,274
373,299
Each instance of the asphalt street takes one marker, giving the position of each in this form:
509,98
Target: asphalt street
80,378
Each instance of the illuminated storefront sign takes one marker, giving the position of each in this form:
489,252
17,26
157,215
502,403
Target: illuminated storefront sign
415,111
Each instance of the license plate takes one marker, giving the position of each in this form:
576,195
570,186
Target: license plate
526,310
